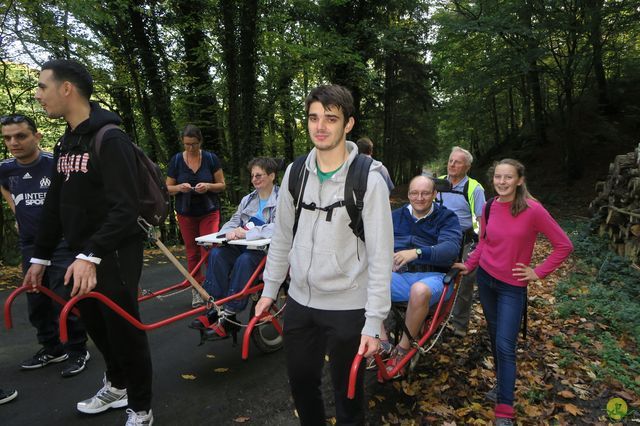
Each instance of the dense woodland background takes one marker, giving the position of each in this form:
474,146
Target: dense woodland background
556,76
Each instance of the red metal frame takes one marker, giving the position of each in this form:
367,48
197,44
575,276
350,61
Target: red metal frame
252,325
69,306
248,289
431,325
8,322
183,284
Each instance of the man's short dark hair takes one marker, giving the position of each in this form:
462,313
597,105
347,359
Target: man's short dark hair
6,120
332,96
365,146
73,72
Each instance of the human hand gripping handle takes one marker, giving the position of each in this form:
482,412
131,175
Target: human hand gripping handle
33,277
463,269
263,305
83,273
524,273
368,346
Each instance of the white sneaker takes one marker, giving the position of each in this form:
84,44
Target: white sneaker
107,397
141,418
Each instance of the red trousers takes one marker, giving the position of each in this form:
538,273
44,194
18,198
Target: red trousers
192,227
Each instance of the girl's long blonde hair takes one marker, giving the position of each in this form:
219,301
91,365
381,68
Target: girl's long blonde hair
522,193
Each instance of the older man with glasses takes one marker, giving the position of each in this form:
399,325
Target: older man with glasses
24,182
427,240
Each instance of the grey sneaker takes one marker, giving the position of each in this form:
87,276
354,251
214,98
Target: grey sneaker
196,299
504,422
107,397
7,395
384,351
44,357
76,363
492,395
141,418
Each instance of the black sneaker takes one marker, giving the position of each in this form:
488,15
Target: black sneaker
44,357
76,363
7,395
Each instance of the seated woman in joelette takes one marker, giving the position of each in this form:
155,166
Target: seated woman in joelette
230,266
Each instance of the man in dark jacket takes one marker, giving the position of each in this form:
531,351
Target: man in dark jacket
93,203
427,241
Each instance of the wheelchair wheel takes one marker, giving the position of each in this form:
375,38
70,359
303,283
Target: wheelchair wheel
266,337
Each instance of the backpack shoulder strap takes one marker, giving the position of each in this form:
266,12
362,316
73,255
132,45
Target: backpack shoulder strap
99,135
298,176
355,188
465,191
487,210
96,142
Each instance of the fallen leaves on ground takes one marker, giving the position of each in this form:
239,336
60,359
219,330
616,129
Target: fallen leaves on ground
556,384
10,277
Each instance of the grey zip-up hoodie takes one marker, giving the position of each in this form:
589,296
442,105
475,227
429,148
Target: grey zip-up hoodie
331,268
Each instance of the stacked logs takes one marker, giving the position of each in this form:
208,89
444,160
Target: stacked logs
616,208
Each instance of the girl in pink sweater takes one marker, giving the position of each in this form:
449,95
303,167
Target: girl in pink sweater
503,257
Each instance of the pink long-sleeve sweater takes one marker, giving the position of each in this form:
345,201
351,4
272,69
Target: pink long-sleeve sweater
509,240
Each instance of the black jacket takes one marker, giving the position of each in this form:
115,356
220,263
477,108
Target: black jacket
92,202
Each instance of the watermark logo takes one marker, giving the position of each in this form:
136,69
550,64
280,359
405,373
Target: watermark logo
617,408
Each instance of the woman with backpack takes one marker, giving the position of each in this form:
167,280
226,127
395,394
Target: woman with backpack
195,177
509,227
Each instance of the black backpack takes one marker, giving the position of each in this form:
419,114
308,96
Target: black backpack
154,195
487,211
354,189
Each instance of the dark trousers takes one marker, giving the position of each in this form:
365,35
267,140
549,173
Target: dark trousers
228,271
309,334
44,312
124,347
503,306
462,310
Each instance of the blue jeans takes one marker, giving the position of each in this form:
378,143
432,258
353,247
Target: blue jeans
228,270
503,306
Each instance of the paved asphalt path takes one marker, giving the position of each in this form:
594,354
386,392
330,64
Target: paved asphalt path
256,390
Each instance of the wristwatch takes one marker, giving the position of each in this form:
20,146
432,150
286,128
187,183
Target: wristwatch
419,252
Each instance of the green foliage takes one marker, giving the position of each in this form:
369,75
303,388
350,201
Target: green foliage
603,289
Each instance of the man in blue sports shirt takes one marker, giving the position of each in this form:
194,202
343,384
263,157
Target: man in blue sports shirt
24,181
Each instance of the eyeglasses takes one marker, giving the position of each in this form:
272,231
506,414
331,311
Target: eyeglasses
258,176
16,119
191,145
416,194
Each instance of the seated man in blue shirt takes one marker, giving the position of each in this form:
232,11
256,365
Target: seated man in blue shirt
427,240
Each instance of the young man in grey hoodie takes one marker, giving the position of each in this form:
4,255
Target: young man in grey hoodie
339,292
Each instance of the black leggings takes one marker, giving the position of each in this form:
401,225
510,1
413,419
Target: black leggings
124,347
309,334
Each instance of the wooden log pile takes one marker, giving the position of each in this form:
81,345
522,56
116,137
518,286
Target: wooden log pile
616,208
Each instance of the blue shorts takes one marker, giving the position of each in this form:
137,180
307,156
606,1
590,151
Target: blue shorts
401,284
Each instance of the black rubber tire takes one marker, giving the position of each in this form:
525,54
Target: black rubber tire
265,337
